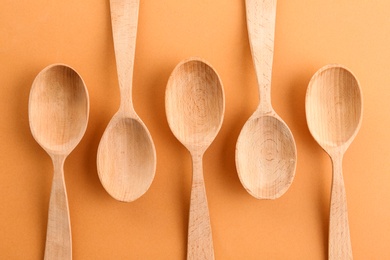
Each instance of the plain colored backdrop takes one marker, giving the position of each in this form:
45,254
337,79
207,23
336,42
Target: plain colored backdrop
309,35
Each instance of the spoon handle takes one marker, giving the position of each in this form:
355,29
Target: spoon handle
261,15
124,19
58,236
200,241
339,236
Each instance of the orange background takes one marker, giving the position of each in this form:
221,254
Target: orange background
309,34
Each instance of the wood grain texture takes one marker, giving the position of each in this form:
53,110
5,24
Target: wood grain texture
124,21
265,150
195,106
58,116
58,236
200,240
334,114
126,158
261,16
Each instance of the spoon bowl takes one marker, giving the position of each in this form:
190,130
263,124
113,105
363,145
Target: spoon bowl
126,158
59,103
265,153
58,115
195,105
334,109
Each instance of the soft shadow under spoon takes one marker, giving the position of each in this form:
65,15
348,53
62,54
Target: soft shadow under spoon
126,159
195,105
58,114
334,109
265,151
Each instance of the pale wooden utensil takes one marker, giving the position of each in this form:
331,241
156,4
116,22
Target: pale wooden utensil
126,159
58,114
265,151
334,109
195,105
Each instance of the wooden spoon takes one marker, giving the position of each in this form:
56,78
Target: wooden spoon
334,111
58,114
265,151
195,105
126,159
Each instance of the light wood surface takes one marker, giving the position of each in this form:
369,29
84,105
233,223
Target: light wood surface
58,115
265,151
334,114
126,159
195,106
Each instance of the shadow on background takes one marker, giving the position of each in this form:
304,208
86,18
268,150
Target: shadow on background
37,178
170,152
247,87
309,152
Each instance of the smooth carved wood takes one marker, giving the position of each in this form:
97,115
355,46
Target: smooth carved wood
200,241
261,16
265,150
126,159
334,111
195,106
58,115
124,21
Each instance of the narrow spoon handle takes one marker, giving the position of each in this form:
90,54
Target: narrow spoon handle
260,15
124,19
58,235
339,237
200,241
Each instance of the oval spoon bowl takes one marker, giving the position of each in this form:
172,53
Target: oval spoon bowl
124,158
335,112
58,115
193,114
265,153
